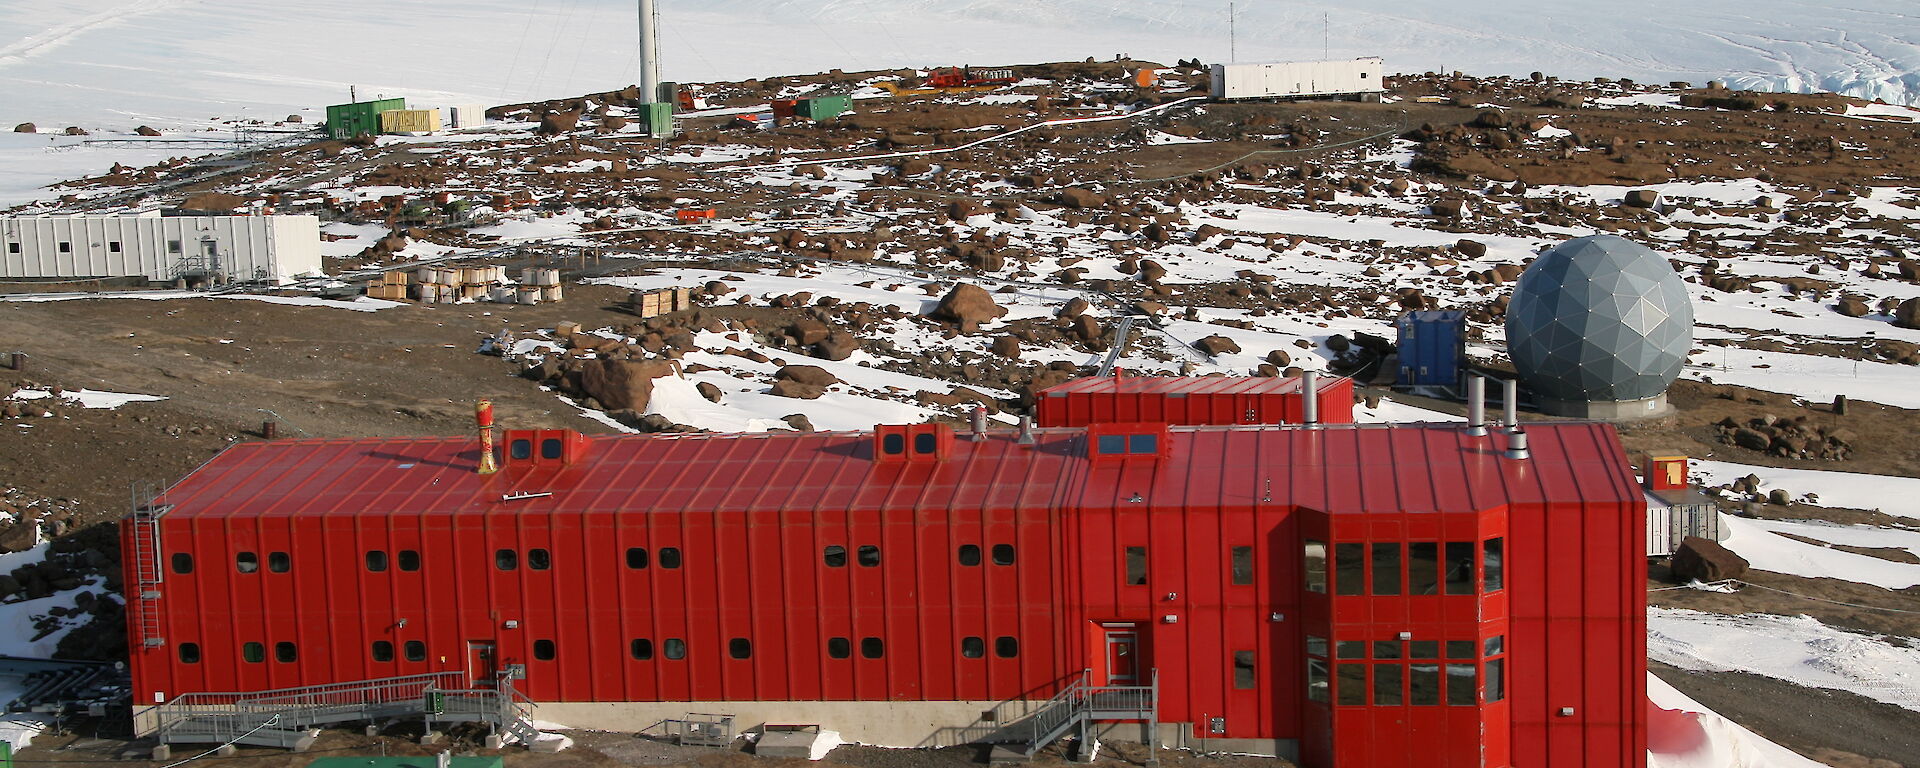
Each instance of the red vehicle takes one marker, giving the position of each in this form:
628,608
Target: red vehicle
967,77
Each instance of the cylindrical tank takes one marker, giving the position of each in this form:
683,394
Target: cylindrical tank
1599,319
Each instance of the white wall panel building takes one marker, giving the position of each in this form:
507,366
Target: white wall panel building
1291,79
243,248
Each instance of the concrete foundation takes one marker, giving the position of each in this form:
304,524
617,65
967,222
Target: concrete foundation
1607,410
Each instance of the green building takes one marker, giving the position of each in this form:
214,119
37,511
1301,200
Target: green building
361,118
658,117
824,108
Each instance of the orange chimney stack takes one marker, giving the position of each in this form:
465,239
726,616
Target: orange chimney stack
483,415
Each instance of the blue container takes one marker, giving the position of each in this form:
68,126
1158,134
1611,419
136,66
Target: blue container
1433,347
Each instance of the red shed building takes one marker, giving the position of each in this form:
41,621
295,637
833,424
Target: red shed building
1192,400
1352,596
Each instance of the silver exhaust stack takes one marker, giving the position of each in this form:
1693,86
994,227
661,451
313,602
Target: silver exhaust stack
1477,406
1310,398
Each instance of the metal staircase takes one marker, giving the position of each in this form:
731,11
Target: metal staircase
1076,707
148,572
291,717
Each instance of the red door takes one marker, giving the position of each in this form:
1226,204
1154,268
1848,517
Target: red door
1123,655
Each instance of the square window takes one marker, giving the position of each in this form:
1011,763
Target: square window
1003,554
1424,689
1143,444
1316,562
969,554
1243,677
539,559
893,444
925,443
1460,685
279,562
1349,569
869,556
669,557
66,247
973,647
1136,562
253,653
675,648
376,561
182,562
173,246
1006,647
835,556
543,650
740,648
1350,649
382,651
872,647
1496,645
1387,649
1460,649
637,558
416,650
1460,567
113,246
1112,445
1317,682
641,649
409,560
1387,681
189,653
285,653
1352,689
1491,552
839,647
1241,565
506,559
1386,568
246,562
13,247
1424,649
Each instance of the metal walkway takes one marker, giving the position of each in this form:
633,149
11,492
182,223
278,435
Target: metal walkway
291,717
1076,708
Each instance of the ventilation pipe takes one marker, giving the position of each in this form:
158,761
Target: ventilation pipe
1517,444
1026,431
1477,406
483,416
979,422
1510,394
1310,398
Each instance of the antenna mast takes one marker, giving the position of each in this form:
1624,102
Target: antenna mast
649,52
1233,45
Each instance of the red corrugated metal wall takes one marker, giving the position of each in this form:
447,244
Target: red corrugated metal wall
976,547
1079,408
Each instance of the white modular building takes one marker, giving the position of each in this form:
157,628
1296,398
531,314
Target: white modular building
465,116
273,249
1359,78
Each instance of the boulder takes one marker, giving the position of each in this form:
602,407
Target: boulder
74,130
1471,249
1086,328
1751,439
1007,347
1449,209
621,384
799,422
1151,271
807,330
294,119
967,306
1851,306
708,391
1907,315
1643,198
1279,358
26,128
811,375
1217,345
558,122
1705,560
797,390
1078,197
1075,307
838,345
146,131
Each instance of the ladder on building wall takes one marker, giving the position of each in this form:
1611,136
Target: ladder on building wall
148,573
1076,708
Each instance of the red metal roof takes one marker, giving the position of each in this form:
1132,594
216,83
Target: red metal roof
1340,469
1190,385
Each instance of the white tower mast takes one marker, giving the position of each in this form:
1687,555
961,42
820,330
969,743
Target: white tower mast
649,52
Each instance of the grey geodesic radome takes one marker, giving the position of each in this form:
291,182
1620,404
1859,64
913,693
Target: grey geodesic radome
1599,318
